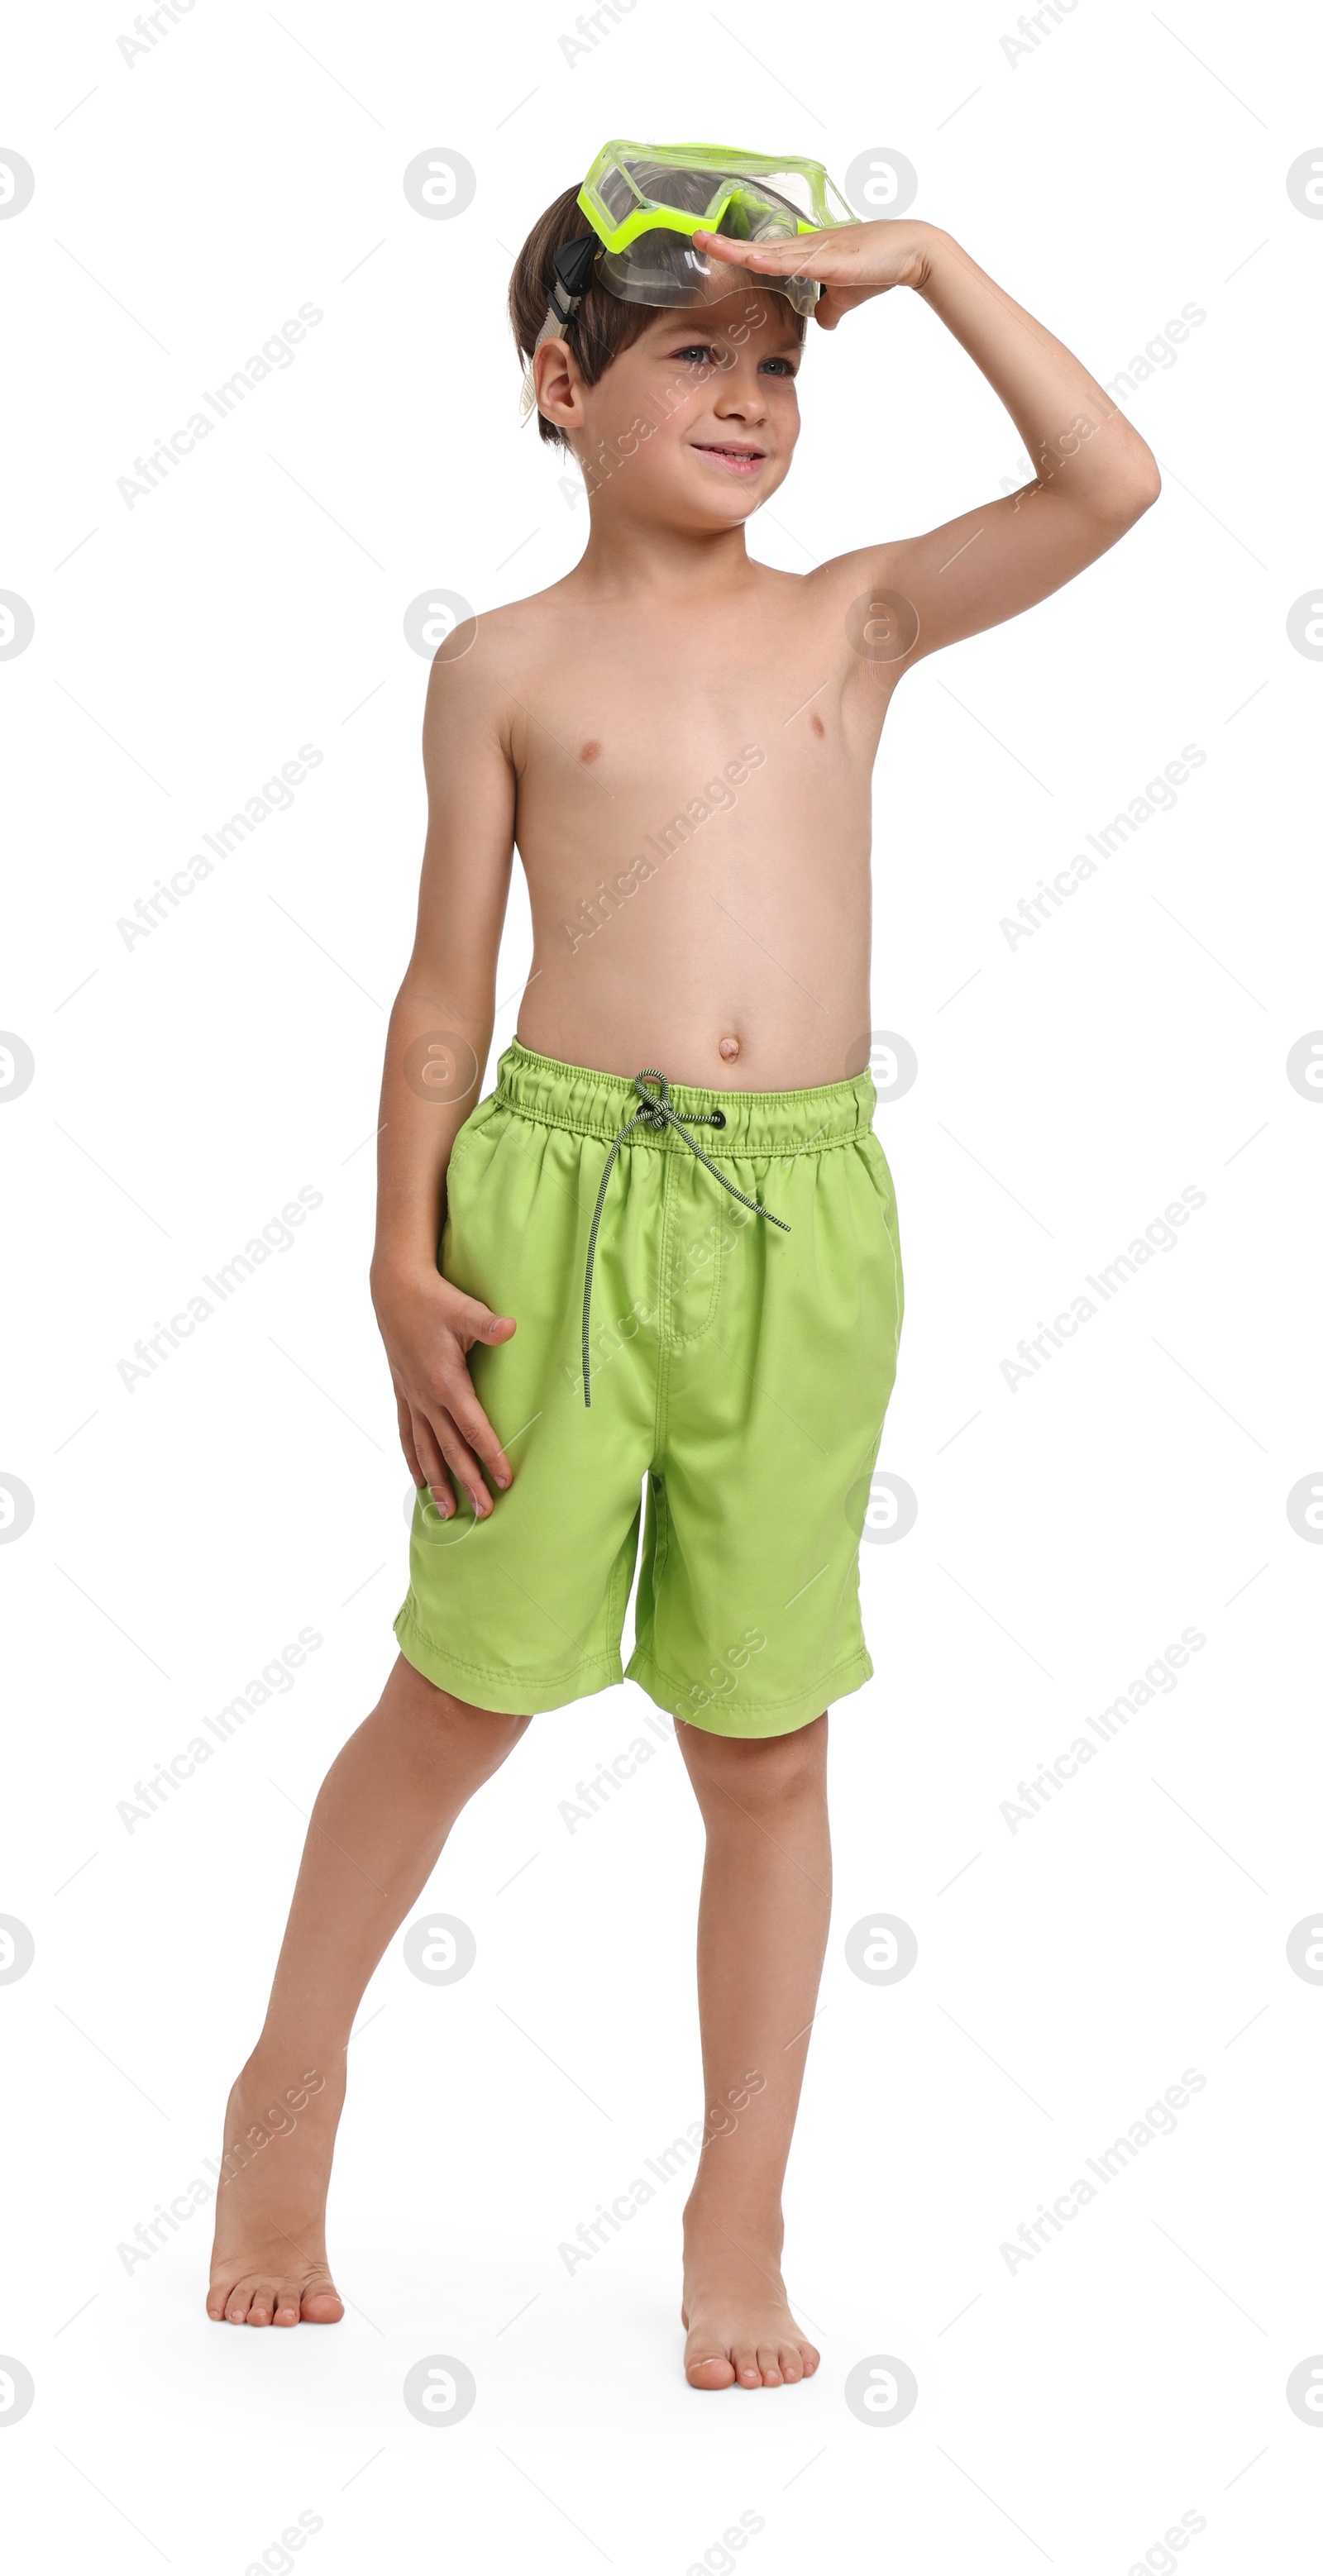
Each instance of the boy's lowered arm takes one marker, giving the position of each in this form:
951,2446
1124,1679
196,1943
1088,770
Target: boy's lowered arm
1095,475
436,1048
449,990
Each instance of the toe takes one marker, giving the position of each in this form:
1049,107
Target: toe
261,2306
769,2364
238,2303
792,2368
710,2370
747,2371
810,2356
217,2297
322,2306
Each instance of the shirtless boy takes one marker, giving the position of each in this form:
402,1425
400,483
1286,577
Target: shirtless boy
680,741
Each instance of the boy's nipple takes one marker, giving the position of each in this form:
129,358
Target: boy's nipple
729,1048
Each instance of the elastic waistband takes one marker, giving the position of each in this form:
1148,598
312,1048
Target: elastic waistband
757,1122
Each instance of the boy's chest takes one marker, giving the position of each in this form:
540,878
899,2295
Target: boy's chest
656,719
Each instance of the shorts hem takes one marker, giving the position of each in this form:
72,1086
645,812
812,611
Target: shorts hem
780,1717
505,1693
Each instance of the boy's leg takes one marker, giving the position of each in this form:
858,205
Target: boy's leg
762,1931
382,1815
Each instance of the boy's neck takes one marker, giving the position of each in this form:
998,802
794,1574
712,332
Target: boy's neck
635,555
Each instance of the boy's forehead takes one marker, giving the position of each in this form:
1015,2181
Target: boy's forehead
750,309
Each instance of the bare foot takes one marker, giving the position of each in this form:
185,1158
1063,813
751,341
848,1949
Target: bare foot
268,2262
741,2332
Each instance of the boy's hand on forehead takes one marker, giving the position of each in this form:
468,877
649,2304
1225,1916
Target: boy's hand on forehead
850,261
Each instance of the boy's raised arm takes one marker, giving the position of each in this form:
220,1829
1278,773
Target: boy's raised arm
1095,475
436,1048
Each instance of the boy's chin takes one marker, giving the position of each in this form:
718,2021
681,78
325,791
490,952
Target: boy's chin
725,501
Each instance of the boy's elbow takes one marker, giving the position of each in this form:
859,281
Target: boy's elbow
1137,487
1148,485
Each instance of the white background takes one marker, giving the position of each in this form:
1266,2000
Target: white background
186,1087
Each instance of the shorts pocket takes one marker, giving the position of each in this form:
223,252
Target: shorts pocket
881,1172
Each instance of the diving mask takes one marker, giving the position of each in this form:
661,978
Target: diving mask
646,201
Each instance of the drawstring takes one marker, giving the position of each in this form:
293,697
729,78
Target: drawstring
655,1110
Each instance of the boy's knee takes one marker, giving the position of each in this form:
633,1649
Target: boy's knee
758,1772
482,1737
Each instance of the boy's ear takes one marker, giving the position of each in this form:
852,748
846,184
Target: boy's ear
556,381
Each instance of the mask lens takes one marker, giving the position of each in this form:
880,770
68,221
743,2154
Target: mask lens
618,193
755,214
689,192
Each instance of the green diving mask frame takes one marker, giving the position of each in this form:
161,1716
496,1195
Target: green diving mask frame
646,201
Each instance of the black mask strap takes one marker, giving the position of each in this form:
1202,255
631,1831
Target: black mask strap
573,263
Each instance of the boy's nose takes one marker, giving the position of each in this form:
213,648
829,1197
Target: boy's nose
740,399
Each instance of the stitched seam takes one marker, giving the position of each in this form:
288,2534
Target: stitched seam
764,1707
501,1672
677,1340
887,1206
617,1592
669,1142
660,1409
664,1290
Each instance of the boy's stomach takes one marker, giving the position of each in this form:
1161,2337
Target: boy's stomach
726,965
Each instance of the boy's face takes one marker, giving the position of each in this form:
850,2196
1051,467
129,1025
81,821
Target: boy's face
699,417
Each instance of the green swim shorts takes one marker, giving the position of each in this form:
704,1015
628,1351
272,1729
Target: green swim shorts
738,1375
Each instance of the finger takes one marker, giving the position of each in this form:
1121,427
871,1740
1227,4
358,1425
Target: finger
429,1454
724,249
477,1430
838,299
407,1441
776,257
463,1465
779,258
476,1323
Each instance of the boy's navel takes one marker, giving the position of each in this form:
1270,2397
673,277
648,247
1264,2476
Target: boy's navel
729,1048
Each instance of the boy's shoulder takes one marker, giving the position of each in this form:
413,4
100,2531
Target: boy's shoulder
477,665
502,634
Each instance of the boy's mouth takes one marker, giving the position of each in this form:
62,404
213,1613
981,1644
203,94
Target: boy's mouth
736,458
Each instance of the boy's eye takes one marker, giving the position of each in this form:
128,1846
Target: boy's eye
704,353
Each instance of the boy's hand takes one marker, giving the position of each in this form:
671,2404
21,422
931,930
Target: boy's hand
851,261
428,1327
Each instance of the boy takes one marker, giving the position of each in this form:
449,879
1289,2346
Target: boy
669,1258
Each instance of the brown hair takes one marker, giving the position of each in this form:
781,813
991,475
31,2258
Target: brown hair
604,324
